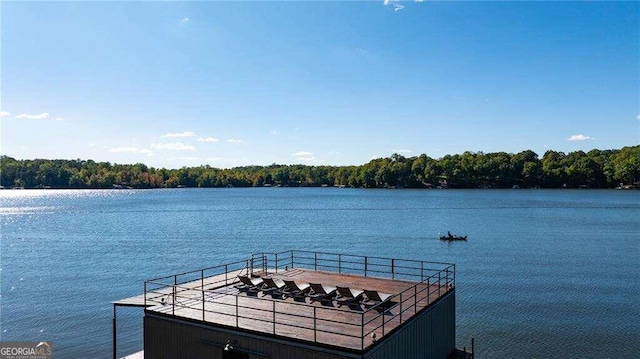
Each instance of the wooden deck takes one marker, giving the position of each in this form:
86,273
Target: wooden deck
349,327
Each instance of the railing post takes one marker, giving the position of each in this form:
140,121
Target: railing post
274,317
173,306
339,263
401,307
393,268
362,333
315,337
473,347
264,263
428,290
421,271
454,274
226,274
276,262
203,305
446,277
236,311
383,324
145,293
366,260
415,298
291,259
202,279
315,261
439,283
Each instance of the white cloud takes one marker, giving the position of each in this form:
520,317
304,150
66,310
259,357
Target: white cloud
5,114
361,51
124,150
207,139
302,154
42,116
178,134
147,152
183,22
189,158
309,159
91,145
176,146
233,140
638,117
28,116
401,151
274,132
579,137
394,4
214,159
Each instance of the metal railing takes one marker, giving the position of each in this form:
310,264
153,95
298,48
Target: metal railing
206,293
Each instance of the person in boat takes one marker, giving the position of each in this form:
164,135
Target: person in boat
449,234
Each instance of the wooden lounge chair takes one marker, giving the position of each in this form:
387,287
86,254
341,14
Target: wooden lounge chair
348,296
292,289
272,286
320,293
381,301
249,285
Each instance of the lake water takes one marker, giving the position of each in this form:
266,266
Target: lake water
544,274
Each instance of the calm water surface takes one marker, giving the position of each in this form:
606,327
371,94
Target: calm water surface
545,274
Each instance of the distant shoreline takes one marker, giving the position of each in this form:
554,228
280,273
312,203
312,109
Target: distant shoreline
625,188
601,169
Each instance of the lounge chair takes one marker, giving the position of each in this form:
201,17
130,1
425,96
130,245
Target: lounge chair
381,301
272,286
320,293
250,285
292,289
348,296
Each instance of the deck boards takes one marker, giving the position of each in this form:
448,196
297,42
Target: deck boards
336,325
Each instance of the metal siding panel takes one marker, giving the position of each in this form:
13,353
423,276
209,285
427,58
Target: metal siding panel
165,338
429,336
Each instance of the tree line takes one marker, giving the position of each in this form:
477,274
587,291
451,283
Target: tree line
593,169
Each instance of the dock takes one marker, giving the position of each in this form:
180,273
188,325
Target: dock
422,295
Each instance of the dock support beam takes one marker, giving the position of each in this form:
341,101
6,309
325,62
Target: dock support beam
114,332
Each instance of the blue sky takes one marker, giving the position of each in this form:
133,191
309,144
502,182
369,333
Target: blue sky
227,84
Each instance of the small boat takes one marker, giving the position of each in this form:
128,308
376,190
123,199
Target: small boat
453,237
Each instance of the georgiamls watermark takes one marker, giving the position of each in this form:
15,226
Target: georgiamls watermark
26,350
